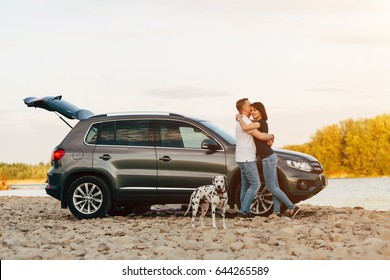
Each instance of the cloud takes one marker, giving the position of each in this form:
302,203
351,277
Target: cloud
316,7
108,35
357,89
369,40
186,92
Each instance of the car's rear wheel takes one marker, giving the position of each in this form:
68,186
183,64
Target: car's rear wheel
89,197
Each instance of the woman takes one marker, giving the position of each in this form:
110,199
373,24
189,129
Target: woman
269,159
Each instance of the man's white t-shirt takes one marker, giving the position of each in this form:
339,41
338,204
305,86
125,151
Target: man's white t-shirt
245,145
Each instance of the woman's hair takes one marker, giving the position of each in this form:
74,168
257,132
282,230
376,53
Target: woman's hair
260,107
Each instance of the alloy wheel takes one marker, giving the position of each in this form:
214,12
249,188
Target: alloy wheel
262,203
87,198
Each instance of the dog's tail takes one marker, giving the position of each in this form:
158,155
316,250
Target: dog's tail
188,209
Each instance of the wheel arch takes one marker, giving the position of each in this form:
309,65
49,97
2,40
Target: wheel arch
235,180
282,179
81,173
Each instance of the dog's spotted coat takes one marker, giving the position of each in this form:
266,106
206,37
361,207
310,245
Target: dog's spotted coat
215,194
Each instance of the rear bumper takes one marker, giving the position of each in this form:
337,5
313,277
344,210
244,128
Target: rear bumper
54,191
54,185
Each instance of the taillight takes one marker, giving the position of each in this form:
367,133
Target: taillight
57,154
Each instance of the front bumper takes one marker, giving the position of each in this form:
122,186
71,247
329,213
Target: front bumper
299,187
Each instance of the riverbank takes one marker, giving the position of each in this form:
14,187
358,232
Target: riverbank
6,184
36,228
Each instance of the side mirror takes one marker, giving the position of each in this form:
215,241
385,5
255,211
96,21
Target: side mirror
210,144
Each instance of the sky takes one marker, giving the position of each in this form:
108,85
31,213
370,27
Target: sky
312,63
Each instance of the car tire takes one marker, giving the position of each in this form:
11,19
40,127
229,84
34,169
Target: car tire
262,204
89,197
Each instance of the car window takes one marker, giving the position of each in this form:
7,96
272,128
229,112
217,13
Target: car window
225,135
180,135
92,134
121,133
134,133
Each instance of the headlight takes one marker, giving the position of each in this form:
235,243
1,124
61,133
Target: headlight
299,164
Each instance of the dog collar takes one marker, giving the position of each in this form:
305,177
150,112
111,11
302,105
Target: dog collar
220,193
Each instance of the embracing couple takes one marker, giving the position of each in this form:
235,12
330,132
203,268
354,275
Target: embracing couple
252,142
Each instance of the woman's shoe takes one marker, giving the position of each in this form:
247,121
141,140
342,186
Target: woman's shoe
294,212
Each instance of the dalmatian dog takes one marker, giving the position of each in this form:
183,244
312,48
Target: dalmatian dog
215,194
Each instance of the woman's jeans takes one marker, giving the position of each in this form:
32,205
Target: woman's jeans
250,184
271,182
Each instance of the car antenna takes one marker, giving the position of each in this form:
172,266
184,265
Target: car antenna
71,127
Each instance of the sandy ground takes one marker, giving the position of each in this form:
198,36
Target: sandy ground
36,228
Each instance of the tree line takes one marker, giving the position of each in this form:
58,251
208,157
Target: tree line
21,171
352,148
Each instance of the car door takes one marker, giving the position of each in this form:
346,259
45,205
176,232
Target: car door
182,164
126,150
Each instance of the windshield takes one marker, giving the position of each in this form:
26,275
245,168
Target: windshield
225,135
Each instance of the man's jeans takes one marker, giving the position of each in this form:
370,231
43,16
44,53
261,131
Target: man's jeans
250,184
271,182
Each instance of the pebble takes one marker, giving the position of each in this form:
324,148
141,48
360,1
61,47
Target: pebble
47,232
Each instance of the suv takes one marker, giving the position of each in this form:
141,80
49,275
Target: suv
113,163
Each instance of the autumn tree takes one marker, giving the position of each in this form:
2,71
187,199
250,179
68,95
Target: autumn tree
352,147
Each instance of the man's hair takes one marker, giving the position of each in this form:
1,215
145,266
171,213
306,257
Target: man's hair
240,104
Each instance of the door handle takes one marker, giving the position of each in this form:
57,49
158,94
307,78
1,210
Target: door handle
105,157
165,158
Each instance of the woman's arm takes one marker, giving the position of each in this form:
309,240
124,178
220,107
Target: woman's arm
247,127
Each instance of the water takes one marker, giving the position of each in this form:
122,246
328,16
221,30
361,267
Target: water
369,193
25,190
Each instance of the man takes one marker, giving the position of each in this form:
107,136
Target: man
246,158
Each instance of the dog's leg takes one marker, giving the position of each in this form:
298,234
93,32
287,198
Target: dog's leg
223,215
213,209
204,206
194,212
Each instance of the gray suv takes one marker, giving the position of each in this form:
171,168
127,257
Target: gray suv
113,163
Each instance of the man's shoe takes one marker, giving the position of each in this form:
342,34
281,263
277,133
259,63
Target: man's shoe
245,215
275,216
231,211
241,215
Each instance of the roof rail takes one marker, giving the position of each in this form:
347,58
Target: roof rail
133,113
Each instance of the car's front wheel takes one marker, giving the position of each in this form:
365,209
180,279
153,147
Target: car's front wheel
262,204
89,197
